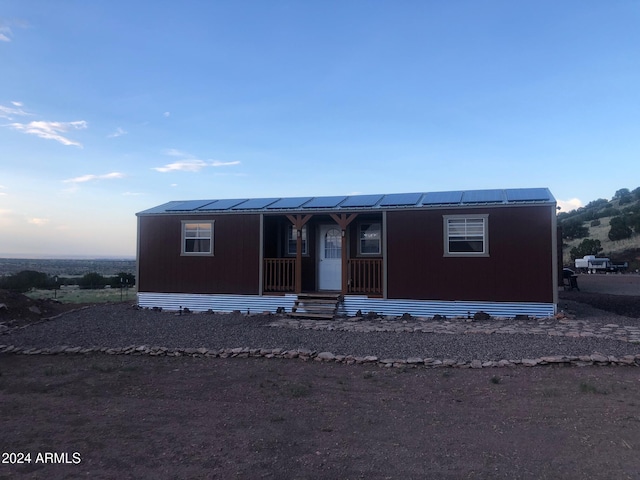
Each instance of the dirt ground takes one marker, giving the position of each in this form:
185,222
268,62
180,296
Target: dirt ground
101,416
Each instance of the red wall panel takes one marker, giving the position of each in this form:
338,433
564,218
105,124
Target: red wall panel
233,268
519,266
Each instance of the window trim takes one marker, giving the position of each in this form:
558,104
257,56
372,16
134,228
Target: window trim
369,254
183,238
485,235
305,240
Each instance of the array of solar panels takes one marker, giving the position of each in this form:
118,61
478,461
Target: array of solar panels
399,200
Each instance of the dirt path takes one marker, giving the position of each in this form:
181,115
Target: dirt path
143,417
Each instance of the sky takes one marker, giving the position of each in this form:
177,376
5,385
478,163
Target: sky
111,107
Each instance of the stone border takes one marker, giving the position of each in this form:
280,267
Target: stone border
595,359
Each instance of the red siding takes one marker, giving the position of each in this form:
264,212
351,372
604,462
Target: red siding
519,266
232,269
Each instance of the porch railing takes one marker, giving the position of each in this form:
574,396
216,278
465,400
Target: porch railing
279,274
365,275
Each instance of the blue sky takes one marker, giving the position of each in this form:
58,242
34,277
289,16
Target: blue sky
111,107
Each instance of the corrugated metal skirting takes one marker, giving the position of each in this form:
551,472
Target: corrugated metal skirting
217,303
430,308
350,306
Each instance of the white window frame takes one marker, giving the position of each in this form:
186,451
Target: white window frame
360,231
184,238
468,234
291,241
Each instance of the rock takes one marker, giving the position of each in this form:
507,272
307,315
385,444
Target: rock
529,362
325,356
414,360
479,316
596,357
36,310
476,364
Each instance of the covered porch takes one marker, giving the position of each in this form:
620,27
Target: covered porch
342,253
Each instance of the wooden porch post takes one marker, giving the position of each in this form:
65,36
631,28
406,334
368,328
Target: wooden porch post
343,220
298,222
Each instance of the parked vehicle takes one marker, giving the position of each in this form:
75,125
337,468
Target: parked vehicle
592,264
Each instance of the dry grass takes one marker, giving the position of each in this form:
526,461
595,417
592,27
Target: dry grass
601,232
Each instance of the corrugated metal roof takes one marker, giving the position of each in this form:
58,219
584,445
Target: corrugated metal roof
360,202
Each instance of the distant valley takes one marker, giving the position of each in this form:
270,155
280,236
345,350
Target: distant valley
68,267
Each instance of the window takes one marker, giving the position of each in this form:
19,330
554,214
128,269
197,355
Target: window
466,235
370,235
333,244
292,243
197,238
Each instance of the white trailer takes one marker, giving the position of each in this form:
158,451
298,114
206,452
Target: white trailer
591,264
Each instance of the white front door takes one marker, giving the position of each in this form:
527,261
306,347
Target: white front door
330,258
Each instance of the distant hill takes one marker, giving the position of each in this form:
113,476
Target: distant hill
615,223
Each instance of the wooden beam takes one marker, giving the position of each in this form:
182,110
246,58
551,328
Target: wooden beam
298,222
343,220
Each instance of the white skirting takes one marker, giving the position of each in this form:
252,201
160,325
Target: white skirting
351,305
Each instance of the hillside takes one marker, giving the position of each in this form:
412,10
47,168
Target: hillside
594,222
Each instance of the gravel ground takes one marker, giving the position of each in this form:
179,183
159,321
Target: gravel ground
121,325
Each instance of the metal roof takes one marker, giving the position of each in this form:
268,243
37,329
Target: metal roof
360,202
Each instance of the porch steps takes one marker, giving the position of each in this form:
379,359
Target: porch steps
315,305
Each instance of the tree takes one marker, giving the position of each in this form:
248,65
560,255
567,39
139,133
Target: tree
623,195
574,229
588,246
26,280
619,228
93,281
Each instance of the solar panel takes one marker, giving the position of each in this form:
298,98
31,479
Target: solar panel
399,199
482,196
190,205
324,202
527,194
222,204
296,202
439,198
255,204
361,201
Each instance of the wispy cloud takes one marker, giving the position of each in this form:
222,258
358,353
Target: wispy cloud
14,111
118,133
182,166
38,221
189,163
91,177
5,33
51,130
